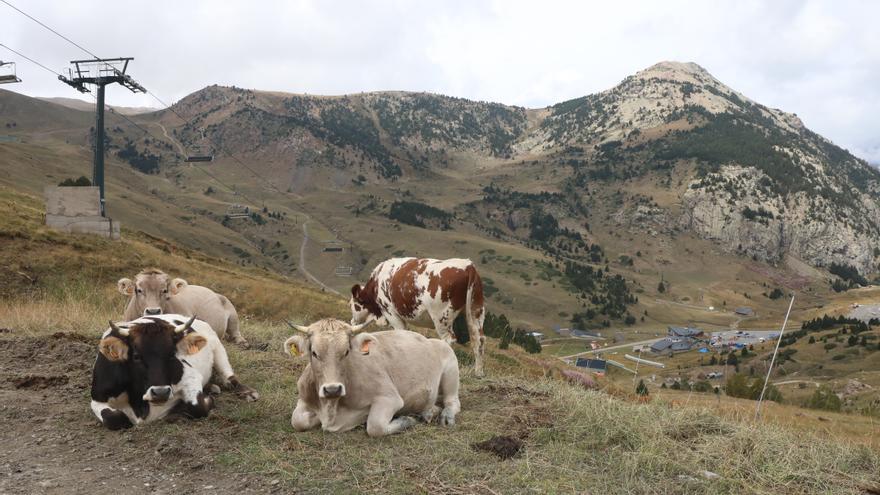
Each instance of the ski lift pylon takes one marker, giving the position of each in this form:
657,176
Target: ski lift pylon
8,75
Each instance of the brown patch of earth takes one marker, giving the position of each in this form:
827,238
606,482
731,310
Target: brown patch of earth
53,444
502,446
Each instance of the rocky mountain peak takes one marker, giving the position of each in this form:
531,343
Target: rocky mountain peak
679,71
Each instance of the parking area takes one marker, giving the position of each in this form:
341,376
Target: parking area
744,337
865,312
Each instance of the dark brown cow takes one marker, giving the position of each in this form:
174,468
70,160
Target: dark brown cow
402,289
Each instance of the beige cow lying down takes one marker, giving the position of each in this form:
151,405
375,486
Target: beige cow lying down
153,292
379,378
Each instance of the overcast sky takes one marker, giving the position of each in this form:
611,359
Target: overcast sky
819,59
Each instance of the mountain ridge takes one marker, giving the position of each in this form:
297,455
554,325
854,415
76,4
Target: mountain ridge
655,120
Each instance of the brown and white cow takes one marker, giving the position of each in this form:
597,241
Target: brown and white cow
153,292
401,289
388,380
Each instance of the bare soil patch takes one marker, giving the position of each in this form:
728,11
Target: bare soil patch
53,444
504,447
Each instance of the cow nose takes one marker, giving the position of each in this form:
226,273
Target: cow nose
333,390
152,311
160,394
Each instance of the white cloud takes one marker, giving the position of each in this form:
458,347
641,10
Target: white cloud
819,59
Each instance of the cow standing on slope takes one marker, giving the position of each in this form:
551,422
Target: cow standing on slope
403,289
153,292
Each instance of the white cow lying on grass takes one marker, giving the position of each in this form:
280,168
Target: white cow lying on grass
378,378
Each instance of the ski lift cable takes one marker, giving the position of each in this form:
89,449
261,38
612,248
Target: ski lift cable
29,59
65,38
50,29
108,107
168,107
217,148
152,94
135,124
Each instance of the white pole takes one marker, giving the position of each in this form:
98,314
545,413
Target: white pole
773,360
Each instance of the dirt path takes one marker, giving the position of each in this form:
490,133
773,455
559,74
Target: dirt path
176,143
52,444
302,261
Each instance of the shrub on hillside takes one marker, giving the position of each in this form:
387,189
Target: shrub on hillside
498,326
848,273
823,398
80,182
143,161
740,386
419,214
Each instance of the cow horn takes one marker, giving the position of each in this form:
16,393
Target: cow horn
298,328
117,330
186,326
358,328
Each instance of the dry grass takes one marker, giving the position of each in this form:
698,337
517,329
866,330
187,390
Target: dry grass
64,279
575,440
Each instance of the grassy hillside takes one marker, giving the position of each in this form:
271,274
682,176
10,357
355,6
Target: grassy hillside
304,181
40,267
58,290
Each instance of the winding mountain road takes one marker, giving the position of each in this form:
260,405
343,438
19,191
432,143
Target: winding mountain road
176,143
302,261
614,347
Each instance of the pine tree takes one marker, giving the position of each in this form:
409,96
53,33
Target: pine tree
642,389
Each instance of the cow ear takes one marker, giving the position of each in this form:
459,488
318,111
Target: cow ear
176,285
192,343
363,342
297,346
355,290
125,286
114,349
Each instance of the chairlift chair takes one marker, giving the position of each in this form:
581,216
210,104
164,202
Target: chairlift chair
237,211
199,156
7,73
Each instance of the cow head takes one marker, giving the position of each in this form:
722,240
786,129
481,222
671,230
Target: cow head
149,349
150,291
328,345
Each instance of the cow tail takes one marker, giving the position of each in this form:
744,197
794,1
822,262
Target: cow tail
474,314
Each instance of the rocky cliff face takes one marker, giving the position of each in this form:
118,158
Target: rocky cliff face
768,226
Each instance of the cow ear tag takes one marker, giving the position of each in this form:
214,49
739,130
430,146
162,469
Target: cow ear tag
294,349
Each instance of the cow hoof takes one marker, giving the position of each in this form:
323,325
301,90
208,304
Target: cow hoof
203,406
447,418
213,389
115,420
247,393
429,416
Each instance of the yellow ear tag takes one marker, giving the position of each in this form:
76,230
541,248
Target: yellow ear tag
294,349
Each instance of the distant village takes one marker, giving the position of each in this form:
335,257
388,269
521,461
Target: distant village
678,339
